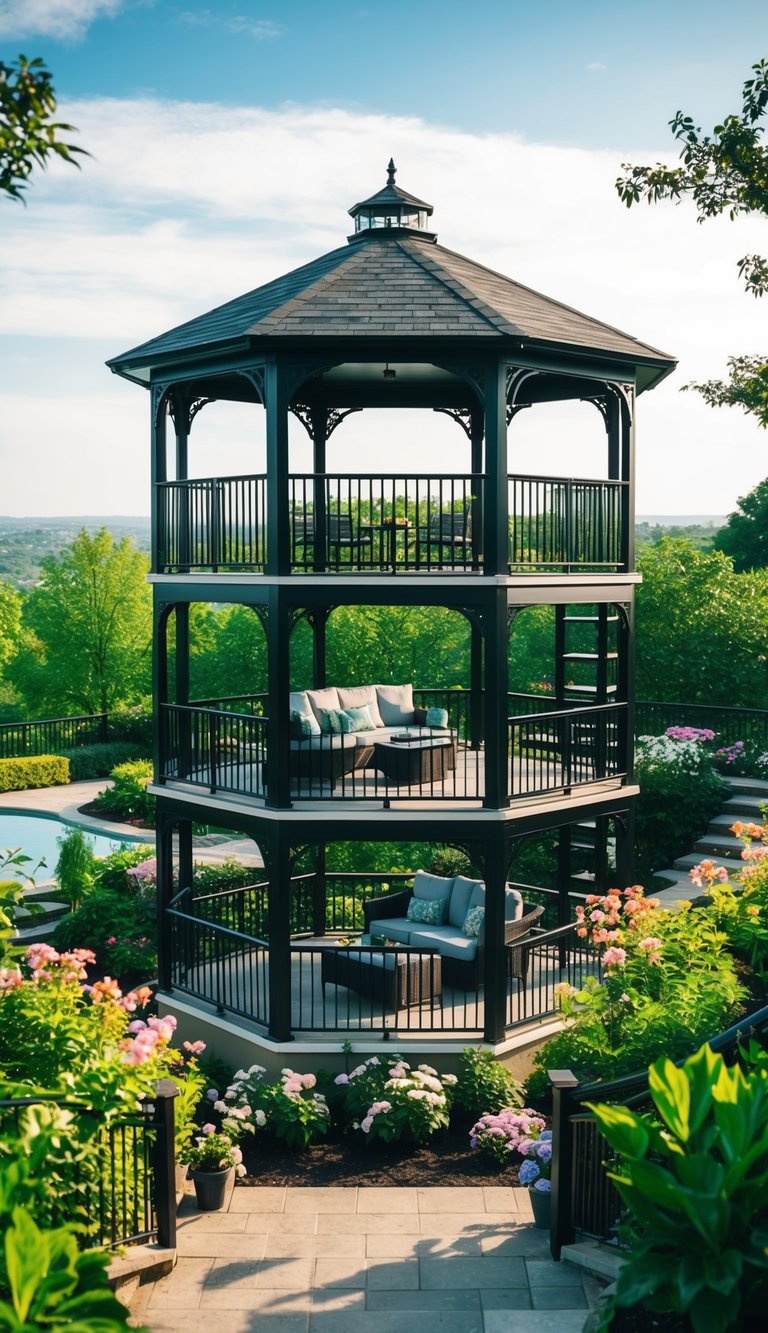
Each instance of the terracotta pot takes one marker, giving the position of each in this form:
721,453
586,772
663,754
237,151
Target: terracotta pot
211,1188
541,1203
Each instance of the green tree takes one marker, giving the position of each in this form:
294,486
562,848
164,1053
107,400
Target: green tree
10,622
725,172
745,535
28,132
701,628
90,625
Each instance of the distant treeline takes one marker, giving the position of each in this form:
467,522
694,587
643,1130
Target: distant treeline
24,542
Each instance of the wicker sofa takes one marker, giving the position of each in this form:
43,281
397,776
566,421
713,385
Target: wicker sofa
323,755
461,955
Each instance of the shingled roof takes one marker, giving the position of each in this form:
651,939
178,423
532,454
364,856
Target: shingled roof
402,285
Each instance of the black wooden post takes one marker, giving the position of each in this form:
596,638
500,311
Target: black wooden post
476,435
161,614
628,476
158,475
318,892
495,948
561,1226
279,930
319,423
278,529
496,519
163,1163
186,864
496,706
183,496
278,675
475,686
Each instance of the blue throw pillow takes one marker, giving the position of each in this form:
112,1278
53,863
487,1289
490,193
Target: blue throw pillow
303,724
360,718
334,722
427,910
473,922
437,717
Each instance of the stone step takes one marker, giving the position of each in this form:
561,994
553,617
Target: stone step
42,911
749,787
594,1257
745,808
723,823
136,1266
714,844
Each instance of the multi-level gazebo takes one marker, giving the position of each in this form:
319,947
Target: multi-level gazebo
390,320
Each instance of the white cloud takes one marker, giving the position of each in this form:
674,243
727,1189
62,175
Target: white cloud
53,18
261,29
184,206
596,64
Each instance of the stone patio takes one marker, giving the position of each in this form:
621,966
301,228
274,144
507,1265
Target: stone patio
365,1260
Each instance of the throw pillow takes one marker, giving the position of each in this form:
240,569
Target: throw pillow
437,717
420,717
427,910
334,722
360,718
395,704
303,724
473,922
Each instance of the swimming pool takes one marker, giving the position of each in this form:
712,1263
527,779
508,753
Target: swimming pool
36,835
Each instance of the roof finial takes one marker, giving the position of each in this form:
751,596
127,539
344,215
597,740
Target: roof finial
391,170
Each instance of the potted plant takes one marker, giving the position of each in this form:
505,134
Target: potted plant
212,1157
504,1132
536,1172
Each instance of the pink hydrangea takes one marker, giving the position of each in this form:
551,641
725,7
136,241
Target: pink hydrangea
614,957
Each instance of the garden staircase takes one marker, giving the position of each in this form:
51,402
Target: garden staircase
38,914
718,844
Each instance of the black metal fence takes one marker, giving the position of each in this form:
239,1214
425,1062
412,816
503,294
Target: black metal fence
51,735
565,748
391,523
212,523
564,524
119,1181
729,724
584,1200
215,749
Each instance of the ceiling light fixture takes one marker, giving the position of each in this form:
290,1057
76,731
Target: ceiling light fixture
389,372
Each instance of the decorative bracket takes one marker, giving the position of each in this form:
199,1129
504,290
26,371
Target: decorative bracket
461,415
255,377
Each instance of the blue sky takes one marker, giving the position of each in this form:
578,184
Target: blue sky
229,139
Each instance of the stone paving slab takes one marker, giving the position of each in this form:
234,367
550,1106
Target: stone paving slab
362,1260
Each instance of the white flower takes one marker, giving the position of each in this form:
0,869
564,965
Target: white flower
240,1076
260,1119
257,1069
221,1107
450,1079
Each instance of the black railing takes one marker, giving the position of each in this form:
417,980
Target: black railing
214,749
120,1185
729,724
584,1199
540,963
225,965
566,748
212,523
51,735
391,523
565,525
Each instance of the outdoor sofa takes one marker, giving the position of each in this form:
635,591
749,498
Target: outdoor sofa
458,930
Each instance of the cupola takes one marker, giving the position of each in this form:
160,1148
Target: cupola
392,210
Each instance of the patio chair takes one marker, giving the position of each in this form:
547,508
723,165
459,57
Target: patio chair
449,531
340,534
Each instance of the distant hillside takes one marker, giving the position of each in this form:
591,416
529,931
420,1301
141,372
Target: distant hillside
25,541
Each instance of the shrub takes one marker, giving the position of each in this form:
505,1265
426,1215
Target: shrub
111,870
388,1100
510,1132
694,1179
289,1108
41,770
75,866
679,793
119,928
98,760
669,983
127,798
484,1084
132,724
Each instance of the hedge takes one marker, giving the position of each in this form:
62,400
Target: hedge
41,770
98,760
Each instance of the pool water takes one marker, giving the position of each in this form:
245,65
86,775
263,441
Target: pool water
36,835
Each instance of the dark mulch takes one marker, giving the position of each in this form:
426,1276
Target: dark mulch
446,1160
638,1320
95,812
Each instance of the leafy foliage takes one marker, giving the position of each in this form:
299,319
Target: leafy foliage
700,635
89,626
680,791
484,1084
725,172
98,760
745,535
42,770
386,1099
29,136
128,798
75,866
694,1179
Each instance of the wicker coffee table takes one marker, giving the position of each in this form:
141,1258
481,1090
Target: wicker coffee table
398,976
416,763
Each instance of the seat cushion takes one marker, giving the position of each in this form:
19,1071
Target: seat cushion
358,696
395,704
323,743
392,928
449,942
513,904
461,893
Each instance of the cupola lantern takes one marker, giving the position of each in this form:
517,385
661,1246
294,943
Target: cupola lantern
393,210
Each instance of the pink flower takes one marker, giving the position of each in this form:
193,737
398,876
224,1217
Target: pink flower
614,957
209,1129
194,1047
341,1079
